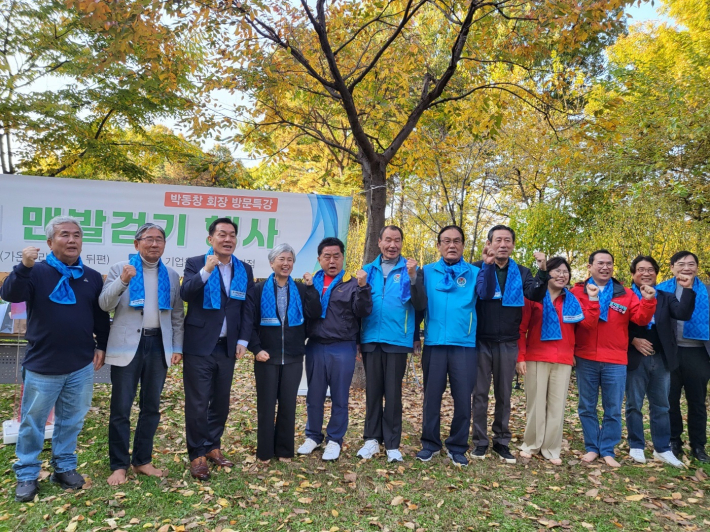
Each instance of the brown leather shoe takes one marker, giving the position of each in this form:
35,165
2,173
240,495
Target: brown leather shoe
199,469
216,456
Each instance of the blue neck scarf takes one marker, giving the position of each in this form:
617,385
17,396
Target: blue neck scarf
269,311
319,281
638,293
136,288
405,284
63,293
237,288
451,273
571,313
698,327
513,296
605,297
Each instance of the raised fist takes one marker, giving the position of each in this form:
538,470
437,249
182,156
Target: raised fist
211,263
592,291
308,279
686,281
541,260
29,256
489,257
412,268
648,292
128,273
361,277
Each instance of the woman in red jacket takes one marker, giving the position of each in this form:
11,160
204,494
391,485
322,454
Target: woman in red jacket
546,357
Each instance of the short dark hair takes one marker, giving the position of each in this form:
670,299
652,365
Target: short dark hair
682,254
213,225
644,258
556,262
391,228
500,227
598,252
331,241
438,237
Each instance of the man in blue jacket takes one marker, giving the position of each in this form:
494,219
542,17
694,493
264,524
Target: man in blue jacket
452,288
387,337
63,315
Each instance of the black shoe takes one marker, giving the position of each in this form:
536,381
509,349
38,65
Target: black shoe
677,448
504,453
479,452
425,455
458,459
26,490
69,480
700,455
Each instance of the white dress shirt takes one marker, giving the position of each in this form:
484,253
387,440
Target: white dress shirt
225,271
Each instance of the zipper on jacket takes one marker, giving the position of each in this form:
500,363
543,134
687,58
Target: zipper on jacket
406,320
470,322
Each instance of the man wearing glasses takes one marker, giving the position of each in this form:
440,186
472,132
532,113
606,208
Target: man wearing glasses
498,334
145,339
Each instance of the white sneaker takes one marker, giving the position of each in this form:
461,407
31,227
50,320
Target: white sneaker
669,458
637,455
393,455
370,449
332,451
308,447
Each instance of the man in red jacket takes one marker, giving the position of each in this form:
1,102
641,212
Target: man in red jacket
601,354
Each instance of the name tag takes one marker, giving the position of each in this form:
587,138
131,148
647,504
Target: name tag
619,308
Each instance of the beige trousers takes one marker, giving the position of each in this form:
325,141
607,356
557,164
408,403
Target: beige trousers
546,386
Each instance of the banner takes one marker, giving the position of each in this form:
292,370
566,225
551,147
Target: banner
110,212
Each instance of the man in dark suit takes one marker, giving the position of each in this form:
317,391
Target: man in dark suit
653,355
219,291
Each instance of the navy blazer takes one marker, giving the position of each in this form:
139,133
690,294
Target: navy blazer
668,311
202,326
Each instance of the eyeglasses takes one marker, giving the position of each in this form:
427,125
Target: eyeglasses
150,240
559,273
448,241
645,270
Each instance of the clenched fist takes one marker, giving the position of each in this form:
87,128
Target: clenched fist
308,279
592,291
262,356
686,281
128,273
29,256
211,263
648,292
412,269
541,260
361,277
489,256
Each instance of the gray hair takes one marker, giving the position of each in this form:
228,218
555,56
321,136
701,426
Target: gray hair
145,227
281,248
58,220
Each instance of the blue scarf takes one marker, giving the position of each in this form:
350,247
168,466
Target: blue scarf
237,289
571,313
513,296
605,297
269,311
451,274
698,327
319,281
136,288
405,284
638,293
62,293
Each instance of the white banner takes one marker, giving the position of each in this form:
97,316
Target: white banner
110,213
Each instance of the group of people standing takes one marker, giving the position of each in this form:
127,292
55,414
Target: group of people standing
482,322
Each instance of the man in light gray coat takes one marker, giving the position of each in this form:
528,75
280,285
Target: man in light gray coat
145,339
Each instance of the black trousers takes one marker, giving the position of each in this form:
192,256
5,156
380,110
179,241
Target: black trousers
149,368
276,384
460,364
693,375
208,382
384,373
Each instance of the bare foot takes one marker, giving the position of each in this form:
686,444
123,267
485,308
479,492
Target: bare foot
284,459
264,461
149,470
589,457
117,477
523,454
609,460
555,461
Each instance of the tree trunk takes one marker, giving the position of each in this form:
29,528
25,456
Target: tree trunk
374,180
